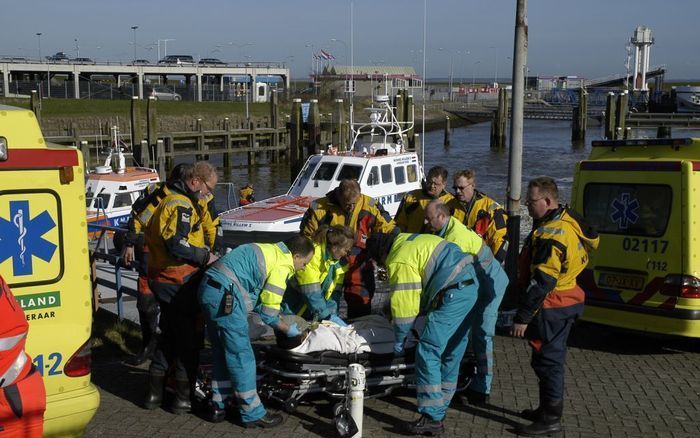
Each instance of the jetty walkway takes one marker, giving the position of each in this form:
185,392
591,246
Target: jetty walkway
618,385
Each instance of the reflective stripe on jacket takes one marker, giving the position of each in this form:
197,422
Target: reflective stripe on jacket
487,218
261,273
410,217
420,266
318,280
557,249
14,362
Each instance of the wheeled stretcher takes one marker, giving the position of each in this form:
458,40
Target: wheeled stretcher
286,376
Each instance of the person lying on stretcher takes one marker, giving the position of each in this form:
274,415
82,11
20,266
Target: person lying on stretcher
314,292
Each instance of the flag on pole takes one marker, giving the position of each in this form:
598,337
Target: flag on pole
325,55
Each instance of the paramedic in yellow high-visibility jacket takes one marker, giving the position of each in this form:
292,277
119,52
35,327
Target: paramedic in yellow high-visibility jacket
432,277
251,277
492,285
314,293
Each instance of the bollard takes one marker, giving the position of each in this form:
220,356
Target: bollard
356,373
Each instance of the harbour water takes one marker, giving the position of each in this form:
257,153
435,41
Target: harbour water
547,150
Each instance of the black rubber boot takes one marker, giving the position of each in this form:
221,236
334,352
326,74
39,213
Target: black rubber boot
549,421
266,422
154,391
531,414
145,354
181,402
425,426
213,413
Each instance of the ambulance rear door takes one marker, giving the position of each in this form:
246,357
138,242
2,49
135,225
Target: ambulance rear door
636,206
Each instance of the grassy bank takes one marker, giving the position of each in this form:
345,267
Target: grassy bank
112,339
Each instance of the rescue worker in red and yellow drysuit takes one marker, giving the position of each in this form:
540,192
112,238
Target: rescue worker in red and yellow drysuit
22,394
345,205
410,217
246,195
314,292
432,277
177,247
480,213
554,254
135,252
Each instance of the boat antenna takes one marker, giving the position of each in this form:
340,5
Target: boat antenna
422,149
352,73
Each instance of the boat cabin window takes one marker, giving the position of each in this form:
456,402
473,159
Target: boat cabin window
307,171
122,200
412,172
373,178
350,171
629,209
386,173
399,175
89,198
102,201
325,172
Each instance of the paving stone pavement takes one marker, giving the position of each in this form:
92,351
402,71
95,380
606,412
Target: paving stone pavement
618,384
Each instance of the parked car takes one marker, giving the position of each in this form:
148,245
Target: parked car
83,61
165,93
58,57
140,62
178,59
211,61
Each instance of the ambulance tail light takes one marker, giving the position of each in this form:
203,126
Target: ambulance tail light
80,363
684,286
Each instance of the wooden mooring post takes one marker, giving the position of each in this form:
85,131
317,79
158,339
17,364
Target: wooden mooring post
295,139
447,132
274,123
136,123
579,119
151,132
313,126
338,138
610,115
500,119
35,105
616,116
252,143
413,144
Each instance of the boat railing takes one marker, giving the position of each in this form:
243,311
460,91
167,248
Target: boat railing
230,201
98,208
100,250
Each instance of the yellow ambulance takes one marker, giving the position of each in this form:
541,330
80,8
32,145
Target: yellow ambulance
44,259
643,197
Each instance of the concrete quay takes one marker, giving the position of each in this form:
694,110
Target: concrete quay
618,384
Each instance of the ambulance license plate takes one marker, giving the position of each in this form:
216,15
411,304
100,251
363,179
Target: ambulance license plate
621,281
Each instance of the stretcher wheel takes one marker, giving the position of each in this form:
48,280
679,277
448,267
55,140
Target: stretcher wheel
290,406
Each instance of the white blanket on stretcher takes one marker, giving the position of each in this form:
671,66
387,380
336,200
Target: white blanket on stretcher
368,334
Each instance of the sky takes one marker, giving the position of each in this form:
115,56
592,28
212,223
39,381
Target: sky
463,38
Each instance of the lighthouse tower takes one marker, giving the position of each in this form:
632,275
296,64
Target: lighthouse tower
642,41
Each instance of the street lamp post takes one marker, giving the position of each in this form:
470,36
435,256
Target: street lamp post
474,71
77,48
38,35
165,47
133,28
